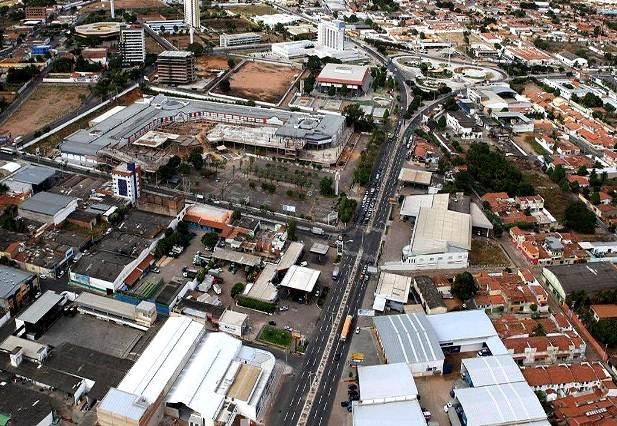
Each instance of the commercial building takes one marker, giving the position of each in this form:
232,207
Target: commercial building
388,396
331,34
234,323
490,370
35,178
430,297
16,286
241,39
205,378
127,181
167,26
141,316
463,125
353,78
300,278
132,45
33,351
392,291
47,207
410,339
39,316
591,278
263,288
176,67
192,15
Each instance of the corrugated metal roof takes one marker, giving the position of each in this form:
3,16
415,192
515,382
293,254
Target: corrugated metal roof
492,370
106,304
386,382
46,203
130,406
40,307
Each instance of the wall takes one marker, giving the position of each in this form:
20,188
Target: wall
585,334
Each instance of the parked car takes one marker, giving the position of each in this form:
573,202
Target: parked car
344,404
272,323
283,308
357,330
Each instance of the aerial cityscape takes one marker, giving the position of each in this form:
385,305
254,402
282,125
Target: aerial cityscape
299,212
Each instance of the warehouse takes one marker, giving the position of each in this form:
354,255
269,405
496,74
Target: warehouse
591,278
506,404
490,370
430,297
32,351
263,288
392,291
388,396
410,339
353,78
47,207
141,317
39,178
40,315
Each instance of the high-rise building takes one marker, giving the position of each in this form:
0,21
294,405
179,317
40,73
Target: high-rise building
126,180
331,34
175,67
191,14
132,45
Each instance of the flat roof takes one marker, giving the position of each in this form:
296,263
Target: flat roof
291,255
162,358
233,317
437,231
300,278
510,403
46,203
236,257
342,73
408,338
412,203
320,249
429,293
34,175
461,325
131,406
40,307
31,348
263,289
393,287
421,177
106,304
492,370
591,277
175,54
11,279
386,382
407,413
244,382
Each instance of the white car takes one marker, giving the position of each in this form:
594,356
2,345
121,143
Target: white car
357,330
43,277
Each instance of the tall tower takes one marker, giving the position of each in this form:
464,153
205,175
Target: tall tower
112,9
126,180
331,34
132,44
192,14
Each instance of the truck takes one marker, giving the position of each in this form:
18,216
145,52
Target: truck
335,273
346,328
317,231
200,259
217,289
189,273
176,251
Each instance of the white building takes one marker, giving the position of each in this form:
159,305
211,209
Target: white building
132,45
242,39
126,180
168,26
572,60
234,323
47,207
209,378
331,34
192,16
463,125
391,289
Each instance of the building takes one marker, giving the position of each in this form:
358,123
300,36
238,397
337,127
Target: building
463,125
176,67
354,78
430,297
39,178
234,323
550,349
16,286
32,351
419,349
392,291
47,207
22,406
36,13
132,45
127,181
572,60
300,279
490,370
206,378
604,312
388,396
241,39
192,16
167,26
592,278
331,34
209,218
40,315
141,316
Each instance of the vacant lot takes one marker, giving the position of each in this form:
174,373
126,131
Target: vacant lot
253,10
487,253
44,106
261,81
125,4
275,336
555,200
229,25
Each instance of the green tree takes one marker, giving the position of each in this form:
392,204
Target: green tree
237,214
346,208
326,186
225,86
464,286
292,226
196,47
237,289
195,157
209,239
579,218
441,123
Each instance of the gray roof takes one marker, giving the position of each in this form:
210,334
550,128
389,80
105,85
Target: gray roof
11,279
34,175
46,203
40,307
105,304
131,406
492,370
591,277
175,54
408,338
429,293
102,265
114,132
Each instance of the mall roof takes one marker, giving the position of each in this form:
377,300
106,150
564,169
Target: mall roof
40,307
46,203
408,413
300,278
163,357
11,279
408,338
492,370
393,287
437,230
511,403
386,382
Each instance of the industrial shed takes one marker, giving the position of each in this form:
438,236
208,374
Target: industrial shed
592,278
490,370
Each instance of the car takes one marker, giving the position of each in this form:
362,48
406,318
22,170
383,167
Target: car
337,356
272,323
43,277
316,293
289,328
352,387
445,408
349,409
283,308
304,263
344,404
427,415
156,270
61,274
357,330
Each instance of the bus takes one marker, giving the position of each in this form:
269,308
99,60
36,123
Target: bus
346,327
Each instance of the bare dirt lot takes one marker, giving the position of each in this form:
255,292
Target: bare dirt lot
210,66
261,81
125,4
45,105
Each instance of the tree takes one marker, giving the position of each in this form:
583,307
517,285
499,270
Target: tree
237,214
237,289
464,286
292,226
196,48
231,62
195,158
595,198
325,186
579,218
210,239
225,86
441,123
346,208
309,83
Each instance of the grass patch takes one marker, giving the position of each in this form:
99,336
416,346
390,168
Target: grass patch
258,305
275,336
253,10
486,253
539,149
555,200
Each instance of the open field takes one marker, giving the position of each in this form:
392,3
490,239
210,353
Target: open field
261,81
210,66
45,105
125,4
486,253
275,336
229,25
253,9
555,200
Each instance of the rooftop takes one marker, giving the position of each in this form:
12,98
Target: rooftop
338,73
46,203
393,287
492,370
40,307
11,279
386,382
438,231
34,175
591,277
300,278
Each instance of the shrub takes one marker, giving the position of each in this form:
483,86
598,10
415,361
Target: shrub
258,305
